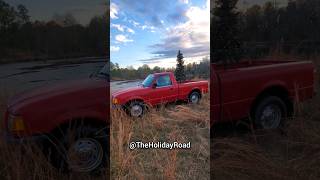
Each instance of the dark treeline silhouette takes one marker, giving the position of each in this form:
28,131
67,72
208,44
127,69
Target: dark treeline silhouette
292,29
268,28
62,37
192,70
225,46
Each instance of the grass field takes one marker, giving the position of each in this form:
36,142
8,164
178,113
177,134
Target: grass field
182,123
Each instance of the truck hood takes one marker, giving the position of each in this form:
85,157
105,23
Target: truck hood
127,90
45,92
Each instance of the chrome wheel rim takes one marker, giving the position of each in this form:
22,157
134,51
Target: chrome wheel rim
194,98
271,117
85,155
136,110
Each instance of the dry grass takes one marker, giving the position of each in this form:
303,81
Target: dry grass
270,155
182,123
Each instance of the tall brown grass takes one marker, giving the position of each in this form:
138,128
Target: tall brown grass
182,123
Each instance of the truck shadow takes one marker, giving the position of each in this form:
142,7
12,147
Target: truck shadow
241,129
229,129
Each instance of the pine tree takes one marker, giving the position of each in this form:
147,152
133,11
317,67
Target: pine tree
179,71
225,44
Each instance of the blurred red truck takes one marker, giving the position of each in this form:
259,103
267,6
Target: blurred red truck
265,91
70,122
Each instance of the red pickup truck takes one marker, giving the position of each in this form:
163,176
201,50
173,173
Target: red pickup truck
156,89
69,121
263,90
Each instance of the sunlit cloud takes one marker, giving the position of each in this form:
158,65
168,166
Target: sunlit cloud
122,38
122,28
114,48
191,37
184,1
114,11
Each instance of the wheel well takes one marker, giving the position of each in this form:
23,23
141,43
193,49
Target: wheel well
93,122
127,105
277,91
132,100
195,90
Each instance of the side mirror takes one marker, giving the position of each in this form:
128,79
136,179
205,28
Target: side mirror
91,75
154,85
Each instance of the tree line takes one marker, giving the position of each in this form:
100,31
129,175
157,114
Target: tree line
263,29
191,70
62,37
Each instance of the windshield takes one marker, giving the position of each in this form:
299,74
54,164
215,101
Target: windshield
103,72
147,82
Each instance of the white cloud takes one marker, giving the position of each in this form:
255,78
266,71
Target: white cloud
184,1
114,11
130,30
114,48
141,26
117,26
136,24
122,28
146,27
122,38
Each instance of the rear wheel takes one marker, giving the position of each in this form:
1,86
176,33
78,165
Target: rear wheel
194,97
270,113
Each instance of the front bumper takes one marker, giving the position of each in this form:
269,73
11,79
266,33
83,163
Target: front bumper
116,106
20,140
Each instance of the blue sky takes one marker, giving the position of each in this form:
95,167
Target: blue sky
152,31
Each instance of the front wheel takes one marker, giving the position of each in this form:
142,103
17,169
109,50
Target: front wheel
270,113
136,109
81,149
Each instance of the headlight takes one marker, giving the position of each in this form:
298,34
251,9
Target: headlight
115,101
15,123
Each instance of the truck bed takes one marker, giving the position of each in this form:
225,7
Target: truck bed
251,64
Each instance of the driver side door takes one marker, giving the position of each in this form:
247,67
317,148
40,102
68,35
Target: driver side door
164,91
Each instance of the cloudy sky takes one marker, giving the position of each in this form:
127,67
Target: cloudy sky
152,31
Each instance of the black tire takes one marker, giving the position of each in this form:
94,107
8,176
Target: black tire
270,113
194,97
59,149
136,109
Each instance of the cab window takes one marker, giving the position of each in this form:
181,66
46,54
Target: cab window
164,81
